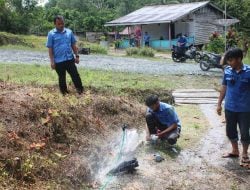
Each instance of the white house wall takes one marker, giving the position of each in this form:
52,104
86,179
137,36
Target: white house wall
156,30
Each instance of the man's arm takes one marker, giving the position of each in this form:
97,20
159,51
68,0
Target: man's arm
51,56
172,127
75,50
221,98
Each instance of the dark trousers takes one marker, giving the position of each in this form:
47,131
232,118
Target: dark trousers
147,44
154,124
238,118
70,67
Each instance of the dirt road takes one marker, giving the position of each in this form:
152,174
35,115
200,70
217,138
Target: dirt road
111,63
198,168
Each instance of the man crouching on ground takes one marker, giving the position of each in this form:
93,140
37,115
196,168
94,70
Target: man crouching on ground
162,120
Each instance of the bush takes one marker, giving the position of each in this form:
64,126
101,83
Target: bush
147,52
132,51
144,52
216,45
97,49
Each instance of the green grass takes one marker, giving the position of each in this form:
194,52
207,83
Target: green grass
22,42
116,81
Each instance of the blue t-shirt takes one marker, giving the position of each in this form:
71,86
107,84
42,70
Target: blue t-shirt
61,43
146,38
238,89
166,115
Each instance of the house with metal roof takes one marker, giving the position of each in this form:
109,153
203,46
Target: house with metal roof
165,22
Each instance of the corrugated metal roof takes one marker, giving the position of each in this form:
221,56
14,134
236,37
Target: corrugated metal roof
157,14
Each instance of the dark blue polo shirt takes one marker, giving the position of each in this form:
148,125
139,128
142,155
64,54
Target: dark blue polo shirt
238,89
61,43
166,115
183,41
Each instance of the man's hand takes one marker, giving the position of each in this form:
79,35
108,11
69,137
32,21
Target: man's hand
219,109
77,60
52,65
159,133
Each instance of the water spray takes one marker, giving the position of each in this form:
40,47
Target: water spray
124,167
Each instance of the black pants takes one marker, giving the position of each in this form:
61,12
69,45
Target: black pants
147,44
238,118
70,67
154,124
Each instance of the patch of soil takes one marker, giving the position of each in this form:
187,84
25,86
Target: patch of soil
46,139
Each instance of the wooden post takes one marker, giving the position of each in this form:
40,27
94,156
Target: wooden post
141,40
169,35
129,36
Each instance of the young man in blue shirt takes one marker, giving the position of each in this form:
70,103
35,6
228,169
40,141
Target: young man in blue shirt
182,42
146,39
61,41
236,91
162,120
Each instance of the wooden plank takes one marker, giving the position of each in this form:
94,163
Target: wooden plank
196,95
196,102
196,99
193,90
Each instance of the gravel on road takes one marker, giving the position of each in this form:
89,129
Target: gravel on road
110,63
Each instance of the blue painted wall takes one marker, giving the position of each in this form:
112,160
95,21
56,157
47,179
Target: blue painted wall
158,44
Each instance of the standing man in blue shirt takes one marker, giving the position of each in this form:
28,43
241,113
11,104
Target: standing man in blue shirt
236,91
61,41
146,39
162,120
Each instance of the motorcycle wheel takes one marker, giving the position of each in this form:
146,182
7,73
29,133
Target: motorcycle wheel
204,66
175,58
205,63
197,57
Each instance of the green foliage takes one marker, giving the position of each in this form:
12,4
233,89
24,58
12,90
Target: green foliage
11,39
23,16
147,52
132,51
216,44
144,52
97,49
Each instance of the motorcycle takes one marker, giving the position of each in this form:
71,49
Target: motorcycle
210,60
190,52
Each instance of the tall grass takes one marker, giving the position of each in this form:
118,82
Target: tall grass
143,52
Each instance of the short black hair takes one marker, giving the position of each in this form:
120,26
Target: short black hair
233,54
151,100
58,17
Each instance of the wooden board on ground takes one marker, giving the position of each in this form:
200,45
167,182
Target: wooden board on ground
196,96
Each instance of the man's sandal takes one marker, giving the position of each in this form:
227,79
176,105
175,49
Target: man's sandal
245,160
247,166
230,155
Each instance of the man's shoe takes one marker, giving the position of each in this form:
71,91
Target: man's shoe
64,93
80,91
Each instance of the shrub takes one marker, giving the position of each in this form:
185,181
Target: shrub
216,44
147,52
132,51
144,52
97,49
